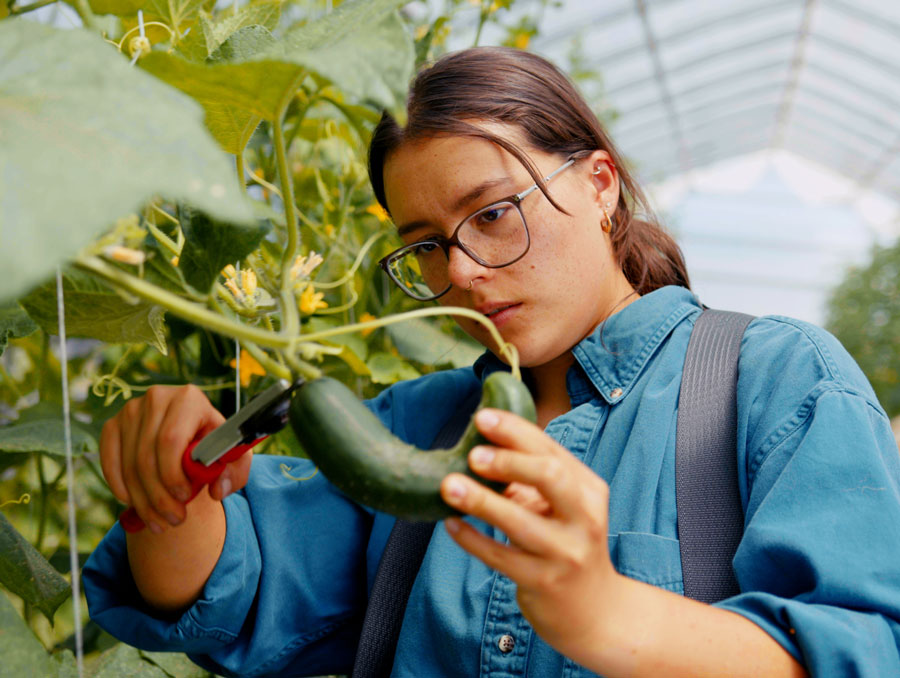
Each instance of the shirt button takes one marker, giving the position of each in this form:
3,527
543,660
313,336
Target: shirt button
615,393
506,643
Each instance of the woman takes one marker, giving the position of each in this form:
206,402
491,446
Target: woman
576,568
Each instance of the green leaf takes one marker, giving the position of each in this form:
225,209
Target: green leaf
40,429
14,322
25,572
86,139
362,47
23,654
123,661
118,7
178,14
210,245
264,14
421,341
97,311
388,369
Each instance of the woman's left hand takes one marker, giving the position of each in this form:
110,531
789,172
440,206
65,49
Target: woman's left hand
558,553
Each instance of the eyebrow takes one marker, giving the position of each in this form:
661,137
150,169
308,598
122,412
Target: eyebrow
466,199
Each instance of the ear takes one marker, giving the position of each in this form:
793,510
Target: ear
604,180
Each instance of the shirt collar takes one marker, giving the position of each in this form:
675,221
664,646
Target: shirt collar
614,354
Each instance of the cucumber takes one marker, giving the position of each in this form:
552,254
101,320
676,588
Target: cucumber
372,466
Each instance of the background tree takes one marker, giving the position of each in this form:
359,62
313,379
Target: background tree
864,313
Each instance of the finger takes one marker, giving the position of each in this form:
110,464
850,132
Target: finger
189,416
528,497
510,561
233,478
111,459
141,504
506,429
156,403
529,531
554,477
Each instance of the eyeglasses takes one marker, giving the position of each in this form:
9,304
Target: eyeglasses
495,236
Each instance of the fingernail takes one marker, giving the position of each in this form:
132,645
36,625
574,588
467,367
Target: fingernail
181,494
154,528
225,486
456,489
172,518
452,525
482,456
486,419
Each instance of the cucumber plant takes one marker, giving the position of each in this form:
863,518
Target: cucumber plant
197,173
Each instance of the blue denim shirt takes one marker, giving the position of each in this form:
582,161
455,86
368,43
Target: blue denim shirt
818,566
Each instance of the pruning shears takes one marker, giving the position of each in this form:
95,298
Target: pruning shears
205,458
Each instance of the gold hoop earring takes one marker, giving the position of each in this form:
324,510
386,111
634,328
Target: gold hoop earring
606,224
469,288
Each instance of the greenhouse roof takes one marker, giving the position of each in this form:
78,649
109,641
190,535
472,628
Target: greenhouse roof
694,82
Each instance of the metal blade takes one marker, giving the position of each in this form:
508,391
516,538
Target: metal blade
231,432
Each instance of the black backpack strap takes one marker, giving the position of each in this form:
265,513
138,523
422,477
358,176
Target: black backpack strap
397,571
710,516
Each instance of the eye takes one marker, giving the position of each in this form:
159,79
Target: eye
425,248
491,214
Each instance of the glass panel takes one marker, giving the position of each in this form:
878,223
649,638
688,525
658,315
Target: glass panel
880,104
843,115
722,36
734,58
864,30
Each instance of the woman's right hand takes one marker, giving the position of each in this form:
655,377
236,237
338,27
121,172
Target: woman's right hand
141,449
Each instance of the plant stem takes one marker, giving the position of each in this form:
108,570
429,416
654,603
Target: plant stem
271,366
291,322
239,165
507,349
30,8
87,16
42,517
188,310
163,239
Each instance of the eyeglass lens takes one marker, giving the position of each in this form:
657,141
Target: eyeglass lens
494,236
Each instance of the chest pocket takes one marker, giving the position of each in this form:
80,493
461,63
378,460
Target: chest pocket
648,558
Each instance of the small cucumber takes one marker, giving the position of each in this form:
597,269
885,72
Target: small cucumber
368,463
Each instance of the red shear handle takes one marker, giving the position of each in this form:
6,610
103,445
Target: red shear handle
199,474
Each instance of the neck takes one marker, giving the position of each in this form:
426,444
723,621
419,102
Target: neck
548,381
548,385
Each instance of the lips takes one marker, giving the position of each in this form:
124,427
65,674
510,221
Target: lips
499,312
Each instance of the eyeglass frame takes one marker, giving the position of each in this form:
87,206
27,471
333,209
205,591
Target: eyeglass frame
446,243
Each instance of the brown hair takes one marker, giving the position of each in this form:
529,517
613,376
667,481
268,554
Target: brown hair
505,85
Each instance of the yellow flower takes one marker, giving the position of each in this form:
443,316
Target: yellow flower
378,211
304,266
329,230
522,40
311,301
364,318
126,255
248,282
249,367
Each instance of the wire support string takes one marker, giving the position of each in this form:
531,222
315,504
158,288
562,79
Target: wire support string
70,476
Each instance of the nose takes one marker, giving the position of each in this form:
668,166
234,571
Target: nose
461,268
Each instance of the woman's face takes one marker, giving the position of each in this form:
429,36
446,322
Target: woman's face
565,285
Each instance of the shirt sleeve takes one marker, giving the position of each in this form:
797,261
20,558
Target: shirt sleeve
288,591
819,562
